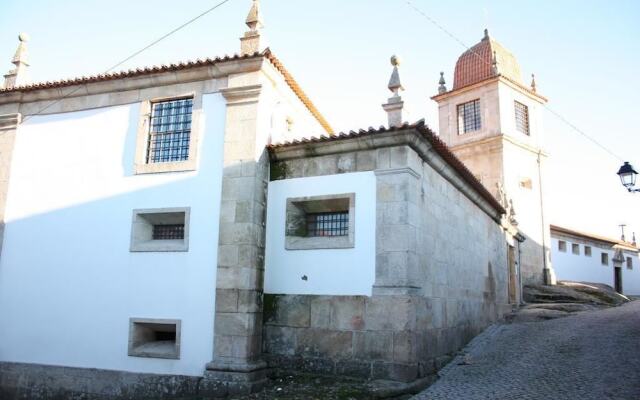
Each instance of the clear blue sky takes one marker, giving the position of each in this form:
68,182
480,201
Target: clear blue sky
585,54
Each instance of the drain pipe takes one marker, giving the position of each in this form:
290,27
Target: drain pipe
546,273
520,238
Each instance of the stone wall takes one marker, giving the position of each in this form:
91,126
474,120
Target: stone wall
8,125
441,268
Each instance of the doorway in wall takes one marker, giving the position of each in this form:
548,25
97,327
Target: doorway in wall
513,277
617,279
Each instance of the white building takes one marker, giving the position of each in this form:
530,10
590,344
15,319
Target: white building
585,257
182,229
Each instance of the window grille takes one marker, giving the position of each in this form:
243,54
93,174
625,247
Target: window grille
562,245
522,118
629,263
168,232
328,224
604,259
469,117
170,131
587,251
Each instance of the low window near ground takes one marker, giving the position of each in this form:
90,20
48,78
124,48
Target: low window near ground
320,222
165,229
575,248
562,245
629,263
587,251
604,259
154,338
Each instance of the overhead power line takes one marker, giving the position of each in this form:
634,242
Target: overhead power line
555,113
134,54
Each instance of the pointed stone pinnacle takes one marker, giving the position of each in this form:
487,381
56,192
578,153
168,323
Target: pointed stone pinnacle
18,75
254,18
394,83
443,87
533,82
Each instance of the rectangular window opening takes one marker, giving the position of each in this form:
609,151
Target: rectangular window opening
522,118
469,119
170,131
587,251
154,338
604,259
629,263
562,245
575,248
160,230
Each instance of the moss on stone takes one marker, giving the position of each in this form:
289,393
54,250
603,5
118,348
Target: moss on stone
270,306
278,170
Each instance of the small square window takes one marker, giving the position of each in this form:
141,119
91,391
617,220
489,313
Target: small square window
587,251
604,259
169,131
469,118
575,248
320,222
629,263
562,245
160,229
154,338
522,118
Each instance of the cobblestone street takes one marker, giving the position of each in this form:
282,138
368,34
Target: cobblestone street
591,355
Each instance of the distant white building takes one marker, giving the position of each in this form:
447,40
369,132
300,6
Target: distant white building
585,257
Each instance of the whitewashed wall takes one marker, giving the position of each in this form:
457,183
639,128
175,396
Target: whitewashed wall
582,268
68,283
329,271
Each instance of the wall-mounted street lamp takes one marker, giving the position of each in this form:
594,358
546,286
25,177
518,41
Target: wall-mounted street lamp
628,177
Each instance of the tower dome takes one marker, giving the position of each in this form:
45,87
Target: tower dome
478,63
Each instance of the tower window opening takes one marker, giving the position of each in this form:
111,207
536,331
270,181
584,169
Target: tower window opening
522,118
469,119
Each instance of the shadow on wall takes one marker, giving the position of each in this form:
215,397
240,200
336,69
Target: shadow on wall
68,281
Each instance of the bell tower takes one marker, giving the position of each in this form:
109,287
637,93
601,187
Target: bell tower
492,122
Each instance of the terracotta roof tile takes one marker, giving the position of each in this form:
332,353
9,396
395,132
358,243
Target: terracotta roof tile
268,54
604,239
438,145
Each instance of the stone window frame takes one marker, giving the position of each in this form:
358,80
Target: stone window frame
142,138
297,209
562,246
587,251
142,222
136,348
575,248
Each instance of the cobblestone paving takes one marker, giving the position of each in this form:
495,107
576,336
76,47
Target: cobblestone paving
590,355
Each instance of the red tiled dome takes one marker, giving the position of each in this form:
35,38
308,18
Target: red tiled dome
475,64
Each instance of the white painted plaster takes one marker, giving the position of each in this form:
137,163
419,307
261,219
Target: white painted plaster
329,271
582,268
68,282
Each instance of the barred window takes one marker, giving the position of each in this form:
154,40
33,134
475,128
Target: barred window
328,224
168,232
562,245
469,117
522,118
629,263
170,131
604,259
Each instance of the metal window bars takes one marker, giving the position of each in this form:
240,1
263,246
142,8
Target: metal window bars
328,224
522,118
170,131
168,232
469,118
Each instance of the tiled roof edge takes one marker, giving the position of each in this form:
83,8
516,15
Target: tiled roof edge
438,145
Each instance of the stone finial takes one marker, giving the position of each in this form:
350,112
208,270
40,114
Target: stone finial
494,64
250,42
394,105
533,82
633,239
443,87
486,34
394,83
18,75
